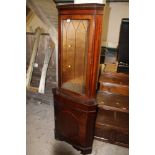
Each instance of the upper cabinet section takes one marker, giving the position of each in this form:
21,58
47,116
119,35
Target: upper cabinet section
80,28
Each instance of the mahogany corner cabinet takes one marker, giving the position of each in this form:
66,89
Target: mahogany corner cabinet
79,44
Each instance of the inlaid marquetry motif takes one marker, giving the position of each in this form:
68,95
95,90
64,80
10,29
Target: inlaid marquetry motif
74,58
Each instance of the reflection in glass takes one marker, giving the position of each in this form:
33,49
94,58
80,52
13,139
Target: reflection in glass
74,47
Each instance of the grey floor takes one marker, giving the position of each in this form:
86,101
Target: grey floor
40,135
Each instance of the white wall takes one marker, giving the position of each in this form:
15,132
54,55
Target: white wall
113,13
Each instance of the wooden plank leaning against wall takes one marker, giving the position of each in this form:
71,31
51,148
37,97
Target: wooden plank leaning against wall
48,54
33,56
40,49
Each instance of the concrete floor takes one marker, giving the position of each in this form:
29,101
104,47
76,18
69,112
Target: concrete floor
40,135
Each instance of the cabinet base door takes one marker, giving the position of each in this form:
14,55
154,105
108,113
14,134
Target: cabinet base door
74,121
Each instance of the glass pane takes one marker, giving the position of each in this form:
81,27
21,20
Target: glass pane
74,54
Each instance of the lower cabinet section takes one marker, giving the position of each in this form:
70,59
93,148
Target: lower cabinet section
112,136
122,138
74,121
112,127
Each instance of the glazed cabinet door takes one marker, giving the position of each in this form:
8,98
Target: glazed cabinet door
75,57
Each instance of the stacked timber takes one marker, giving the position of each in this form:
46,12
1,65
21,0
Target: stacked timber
44,44
44,62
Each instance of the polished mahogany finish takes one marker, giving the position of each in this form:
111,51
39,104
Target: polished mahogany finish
80,27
